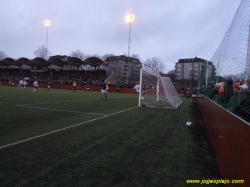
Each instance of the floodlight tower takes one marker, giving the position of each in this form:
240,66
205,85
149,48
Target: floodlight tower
247,74
129,18
47,24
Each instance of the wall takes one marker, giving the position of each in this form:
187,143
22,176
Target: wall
230,137
92,88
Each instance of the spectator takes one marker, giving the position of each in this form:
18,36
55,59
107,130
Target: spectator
245,86
194,94
236,87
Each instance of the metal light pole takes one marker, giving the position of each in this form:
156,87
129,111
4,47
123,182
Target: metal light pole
247,74
47,24
130,19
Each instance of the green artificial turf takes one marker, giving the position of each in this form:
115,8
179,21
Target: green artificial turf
138,147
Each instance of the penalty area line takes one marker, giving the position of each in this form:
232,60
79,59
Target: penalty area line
62,129
66,101
59,110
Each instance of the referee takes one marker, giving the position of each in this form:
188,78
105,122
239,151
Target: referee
74,86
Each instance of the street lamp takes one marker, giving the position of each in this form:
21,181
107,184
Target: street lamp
129,18
47,24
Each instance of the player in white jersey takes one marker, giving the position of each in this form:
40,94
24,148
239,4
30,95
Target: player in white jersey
48,86
35,85
21,84
107,88
24,83
137,88
88,88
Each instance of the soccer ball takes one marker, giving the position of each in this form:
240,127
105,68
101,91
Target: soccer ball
189,124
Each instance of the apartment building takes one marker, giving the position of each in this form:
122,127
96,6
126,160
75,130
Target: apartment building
190,68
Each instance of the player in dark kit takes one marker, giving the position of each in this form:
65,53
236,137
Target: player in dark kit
104,90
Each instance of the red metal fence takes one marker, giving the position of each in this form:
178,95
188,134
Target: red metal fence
92,88
230,137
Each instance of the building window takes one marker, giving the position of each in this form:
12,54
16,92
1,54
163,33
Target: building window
178,69
178,65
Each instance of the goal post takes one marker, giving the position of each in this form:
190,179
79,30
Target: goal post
157,91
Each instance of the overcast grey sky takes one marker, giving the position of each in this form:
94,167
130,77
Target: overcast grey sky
167,29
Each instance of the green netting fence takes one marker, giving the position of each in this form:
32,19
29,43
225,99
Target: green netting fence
237,102
230,66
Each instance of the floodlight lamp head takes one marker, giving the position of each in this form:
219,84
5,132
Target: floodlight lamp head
47,23
130,18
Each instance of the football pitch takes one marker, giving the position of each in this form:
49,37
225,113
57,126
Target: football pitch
62,138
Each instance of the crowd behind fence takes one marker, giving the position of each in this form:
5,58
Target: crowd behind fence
82,78
233,96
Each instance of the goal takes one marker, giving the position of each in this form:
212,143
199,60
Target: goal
157,91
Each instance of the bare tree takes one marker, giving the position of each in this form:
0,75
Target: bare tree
42,52
2,55
171,75
104,57
86,56
132,56
96,55
136,56
78,54
154,64
172,72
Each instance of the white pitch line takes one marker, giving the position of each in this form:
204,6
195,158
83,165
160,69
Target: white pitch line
62,129
60,110
66,101
33,92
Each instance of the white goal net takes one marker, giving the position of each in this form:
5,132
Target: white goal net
157,91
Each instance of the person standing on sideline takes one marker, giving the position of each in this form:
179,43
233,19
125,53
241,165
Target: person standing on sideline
35,85
74,86
104,90
245,86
